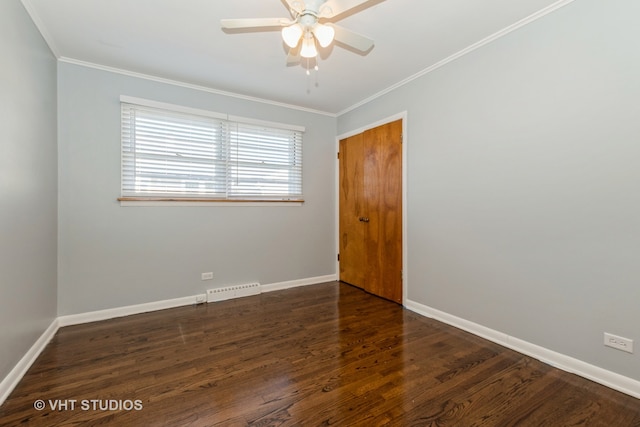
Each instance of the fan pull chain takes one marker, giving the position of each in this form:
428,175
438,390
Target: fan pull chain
308,72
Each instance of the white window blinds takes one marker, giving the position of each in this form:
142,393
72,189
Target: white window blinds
264,161
176,154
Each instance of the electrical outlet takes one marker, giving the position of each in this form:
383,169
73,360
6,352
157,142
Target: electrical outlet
619,343
201,299
207,276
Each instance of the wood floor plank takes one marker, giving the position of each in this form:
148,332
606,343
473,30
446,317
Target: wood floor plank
328,354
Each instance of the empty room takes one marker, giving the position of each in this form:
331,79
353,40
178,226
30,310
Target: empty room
320,212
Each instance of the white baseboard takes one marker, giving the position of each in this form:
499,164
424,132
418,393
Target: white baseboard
13,378
94,316
111,313
561,361
301,282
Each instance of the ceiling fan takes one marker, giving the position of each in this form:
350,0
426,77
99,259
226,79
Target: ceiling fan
310,24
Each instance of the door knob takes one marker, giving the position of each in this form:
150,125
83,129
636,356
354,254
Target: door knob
363,219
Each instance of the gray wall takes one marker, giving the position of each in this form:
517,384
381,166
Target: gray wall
523,182
27,185
112,256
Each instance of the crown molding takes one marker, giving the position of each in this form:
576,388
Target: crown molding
190,86
41,27
495,36
525,21
46,35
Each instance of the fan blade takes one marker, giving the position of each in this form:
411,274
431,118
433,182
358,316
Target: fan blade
232,24
352,39
295,5
335,7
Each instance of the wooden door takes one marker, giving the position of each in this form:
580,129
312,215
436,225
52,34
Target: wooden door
352,239
383,201
371,210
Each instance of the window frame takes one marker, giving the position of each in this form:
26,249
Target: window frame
129,198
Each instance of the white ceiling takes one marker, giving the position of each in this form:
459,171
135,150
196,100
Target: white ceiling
181,40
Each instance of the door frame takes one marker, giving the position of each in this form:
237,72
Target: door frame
405,268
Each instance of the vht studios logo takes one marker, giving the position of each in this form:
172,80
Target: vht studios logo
88,405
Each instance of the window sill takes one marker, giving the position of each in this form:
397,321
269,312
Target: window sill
168,201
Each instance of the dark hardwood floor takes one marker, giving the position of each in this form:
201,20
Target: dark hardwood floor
319,355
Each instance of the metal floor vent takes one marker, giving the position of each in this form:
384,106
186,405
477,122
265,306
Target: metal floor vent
236,291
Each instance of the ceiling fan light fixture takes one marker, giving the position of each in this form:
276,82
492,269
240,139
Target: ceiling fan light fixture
308,48
291,35
324,34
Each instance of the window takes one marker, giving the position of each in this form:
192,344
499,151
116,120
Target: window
175,153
